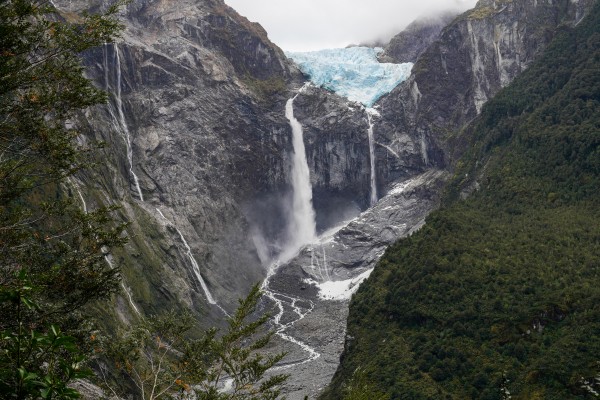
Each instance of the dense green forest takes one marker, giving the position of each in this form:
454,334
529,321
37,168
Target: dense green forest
498,296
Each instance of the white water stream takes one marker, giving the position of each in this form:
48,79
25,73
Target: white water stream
107,256
194,263
373,198
301,231
294,304
118,118
302,225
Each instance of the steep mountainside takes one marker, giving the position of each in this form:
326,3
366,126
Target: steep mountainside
192,88
494,297
476,55
409,44
197,132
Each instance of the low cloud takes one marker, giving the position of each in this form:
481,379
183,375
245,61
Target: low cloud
317,24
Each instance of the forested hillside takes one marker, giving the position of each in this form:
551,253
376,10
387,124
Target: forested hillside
498,296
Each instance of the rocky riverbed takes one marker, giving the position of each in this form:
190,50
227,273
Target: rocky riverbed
311,293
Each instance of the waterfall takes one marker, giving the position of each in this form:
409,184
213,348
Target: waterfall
75,186
119,121
302,225
196,268
424,154
126,289
325,266
373,198
319,265
194,263
104,250
301,231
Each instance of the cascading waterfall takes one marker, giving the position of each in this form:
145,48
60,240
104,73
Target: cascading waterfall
301,231
126,289
194,263
424,154
302,225
373,197
104,250
319,264
325,266
75,186
119,121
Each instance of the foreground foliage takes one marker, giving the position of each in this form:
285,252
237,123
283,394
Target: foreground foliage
54,256
497,296
164,362
51,257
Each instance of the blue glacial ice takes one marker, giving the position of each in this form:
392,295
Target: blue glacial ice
352,72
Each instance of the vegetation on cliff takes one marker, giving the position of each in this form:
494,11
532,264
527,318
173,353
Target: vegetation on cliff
497,296
164,361
51,253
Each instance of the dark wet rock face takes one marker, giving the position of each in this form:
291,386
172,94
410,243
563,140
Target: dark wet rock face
335,135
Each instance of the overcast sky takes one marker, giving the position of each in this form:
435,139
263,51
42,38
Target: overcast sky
301,25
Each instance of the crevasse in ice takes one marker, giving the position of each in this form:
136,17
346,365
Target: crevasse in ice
352,72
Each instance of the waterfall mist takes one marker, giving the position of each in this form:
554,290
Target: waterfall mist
267,219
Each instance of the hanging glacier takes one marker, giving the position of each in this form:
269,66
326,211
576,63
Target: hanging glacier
353,72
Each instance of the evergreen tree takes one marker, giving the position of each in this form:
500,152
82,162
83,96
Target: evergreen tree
51,253
163,362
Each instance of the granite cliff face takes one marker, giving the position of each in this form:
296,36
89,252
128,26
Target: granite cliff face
475,56
195,130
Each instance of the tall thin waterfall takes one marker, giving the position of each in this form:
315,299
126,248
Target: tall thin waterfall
104,250
373,198
119,121
193,262
301,231
302,225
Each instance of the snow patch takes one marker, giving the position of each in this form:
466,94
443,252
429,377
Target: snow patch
340,290
354,72
399,188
